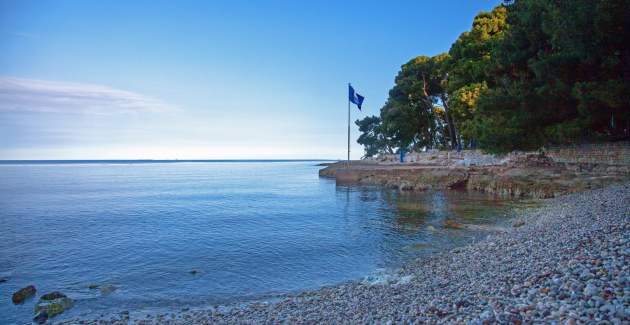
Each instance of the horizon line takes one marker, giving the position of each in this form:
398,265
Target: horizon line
70,161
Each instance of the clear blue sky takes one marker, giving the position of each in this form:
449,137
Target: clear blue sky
205,79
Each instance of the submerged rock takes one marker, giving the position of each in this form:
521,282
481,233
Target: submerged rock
23,294
52,296
41,317
194,271
107,289
93,286
54,307
3,280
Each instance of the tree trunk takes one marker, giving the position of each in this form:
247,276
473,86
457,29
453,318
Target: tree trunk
449,120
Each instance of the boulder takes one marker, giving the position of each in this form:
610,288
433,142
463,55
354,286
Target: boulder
54,307
23,294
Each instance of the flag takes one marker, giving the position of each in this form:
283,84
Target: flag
354,98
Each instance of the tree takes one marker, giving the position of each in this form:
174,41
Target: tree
409,114
372,137
468,66
560,75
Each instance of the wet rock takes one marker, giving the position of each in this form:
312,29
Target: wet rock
107,289
52,296
2,280
54,307
448,223
21,295
41,317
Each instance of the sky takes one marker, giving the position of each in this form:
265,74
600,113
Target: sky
214,79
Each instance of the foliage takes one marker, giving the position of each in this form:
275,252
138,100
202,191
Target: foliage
561,74
372,137
470,62
527,74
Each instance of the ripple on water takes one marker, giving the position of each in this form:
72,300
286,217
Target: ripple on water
250,229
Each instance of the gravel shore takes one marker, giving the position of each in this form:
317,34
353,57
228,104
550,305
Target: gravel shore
566,262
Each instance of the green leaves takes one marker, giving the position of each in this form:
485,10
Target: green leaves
527,74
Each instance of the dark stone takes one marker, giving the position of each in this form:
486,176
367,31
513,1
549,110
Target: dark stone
52,296
23,294
2,280
41,317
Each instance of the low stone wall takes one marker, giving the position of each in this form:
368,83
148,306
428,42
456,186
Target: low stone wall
444,158
617,153
605,153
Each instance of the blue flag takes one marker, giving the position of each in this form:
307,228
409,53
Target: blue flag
354,98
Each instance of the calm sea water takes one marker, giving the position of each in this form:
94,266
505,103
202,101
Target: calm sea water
251,229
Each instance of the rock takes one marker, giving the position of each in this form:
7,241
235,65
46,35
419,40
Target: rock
54,307
2,280
448,223
41,317
93,286
194,271
107,289
52,296
590,290
518,223
23,294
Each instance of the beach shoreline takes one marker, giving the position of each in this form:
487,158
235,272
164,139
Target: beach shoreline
565,261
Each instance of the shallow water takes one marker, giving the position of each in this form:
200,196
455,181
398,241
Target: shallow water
250,229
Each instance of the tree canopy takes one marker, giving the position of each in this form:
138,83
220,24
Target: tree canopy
528,74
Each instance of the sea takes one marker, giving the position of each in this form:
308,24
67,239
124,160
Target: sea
164,235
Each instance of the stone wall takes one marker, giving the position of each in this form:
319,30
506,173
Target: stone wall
606,153
445,158
617,153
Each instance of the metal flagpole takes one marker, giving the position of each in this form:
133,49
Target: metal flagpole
348,130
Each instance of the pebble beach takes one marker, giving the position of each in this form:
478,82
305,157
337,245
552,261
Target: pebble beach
564,262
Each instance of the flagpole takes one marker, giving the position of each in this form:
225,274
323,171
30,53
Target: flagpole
348,130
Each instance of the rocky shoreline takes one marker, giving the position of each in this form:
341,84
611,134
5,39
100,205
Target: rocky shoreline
566,261
529,175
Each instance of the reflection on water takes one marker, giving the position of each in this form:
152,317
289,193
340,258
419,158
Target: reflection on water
419,217
251,229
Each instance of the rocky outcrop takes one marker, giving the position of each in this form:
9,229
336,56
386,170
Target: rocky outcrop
526,175
405,179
